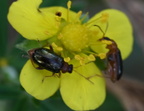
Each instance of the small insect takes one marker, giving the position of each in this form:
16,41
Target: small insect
114,59
49,60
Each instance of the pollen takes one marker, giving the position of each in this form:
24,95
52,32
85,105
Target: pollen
57,47
67,59
104,18
79,14
106,42
68,6
91,57
80,59
102,55
74,37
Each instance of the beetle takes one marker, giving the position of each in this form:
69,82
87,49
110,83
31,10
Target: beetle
47,59
114,60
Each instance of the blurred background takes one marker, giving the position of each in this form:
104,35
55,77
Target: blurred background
125,95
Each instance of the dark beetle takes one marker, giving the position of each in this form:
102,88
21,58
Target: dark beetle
47,59
114,60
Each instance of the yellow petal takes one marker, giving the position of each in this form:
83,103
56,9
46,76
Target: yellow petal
35,84
65,14
119,29
79,93
30,21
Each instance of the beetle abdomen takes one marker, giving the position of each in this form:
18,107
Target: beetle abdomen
47,59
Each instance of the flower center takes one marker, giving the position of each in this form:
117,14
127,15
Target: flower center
74,37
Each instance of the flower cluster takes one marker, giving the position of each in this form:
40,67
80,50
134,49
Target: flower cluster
77,41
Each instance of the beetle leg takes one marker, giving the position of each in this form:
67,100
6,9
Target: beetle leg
96,75
40,68
59,75
51,48
53,75
84,77
37,67
56,75
47,76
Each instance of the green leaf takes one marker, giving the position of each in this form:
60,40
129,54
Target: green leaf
111,104
54,3
3,26
30,44
23,102
9,92
55,104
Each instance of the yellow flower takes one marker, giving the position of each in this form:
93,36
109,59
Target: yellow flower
78,44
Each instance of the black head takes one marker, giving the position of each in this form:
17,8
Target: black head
70,68
67,68
105,38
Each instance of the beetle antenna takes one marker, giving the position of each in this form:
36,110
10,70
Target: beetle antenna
104,32
25,56
106,27
83,76
100,29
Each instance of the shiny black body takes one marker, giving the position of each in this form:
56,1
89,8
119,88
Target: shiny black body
47,59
